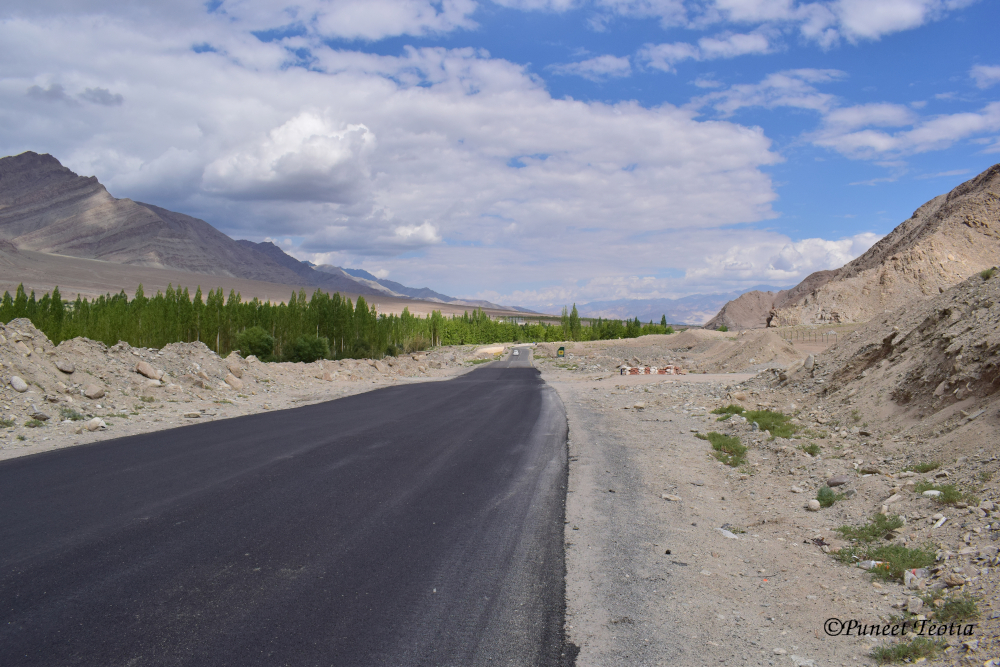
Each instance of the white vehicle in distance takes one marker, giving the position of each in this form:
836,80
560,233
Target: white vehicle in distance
517,352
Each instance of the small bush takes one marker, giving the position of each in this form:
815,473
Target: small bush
727,448
728,410
950,494
986,274
309,348
147,399
959,608
919,647
878,527
255,341
6,423
71,414
723,328
894,558
34,423
925,466
812,449
827,496
775,422
21,438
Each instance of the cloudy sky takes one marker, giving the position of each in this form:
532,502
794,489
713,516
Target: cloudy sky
532,152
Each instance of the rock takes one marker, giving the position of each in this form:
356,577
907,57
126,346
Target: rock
906,473
192,415
869,470
850,493
62,388
143,368
202,384
989,552
328,376
66,367
18,385
953,580
233,364
639,406
739,396
435,364
914,604
203,375
234,382
22,348
93,392
986,505
780,651
940,474
837,480
796,489
813,505
422,369
893,498
932,493
95,424
39,415
809,362
911,580
672,498
380,367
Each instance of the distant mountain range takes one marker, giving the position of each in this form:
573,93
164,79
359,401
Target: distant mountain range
47,208
695,309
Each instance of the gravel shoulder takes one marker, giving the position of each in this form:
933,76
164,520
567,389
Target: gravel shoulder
651,577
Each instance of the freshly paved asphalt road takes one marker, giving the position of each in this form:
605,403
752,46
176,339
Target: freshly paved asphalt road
414,525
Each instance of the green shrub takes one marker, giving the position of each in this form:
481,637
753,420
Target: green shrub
827,496
728,410
959,608
775,422
950,494
34,423
255,341
812,449
986,274
309,348
925,466
71,414
723,328
6,423
727,448
894,559
878,527
919,647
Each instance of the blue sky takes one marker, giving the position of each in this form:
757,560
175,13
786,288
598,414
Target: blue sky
532,152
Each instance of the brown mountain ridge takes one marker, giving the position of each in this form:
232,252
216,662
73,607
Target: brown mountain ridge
944,242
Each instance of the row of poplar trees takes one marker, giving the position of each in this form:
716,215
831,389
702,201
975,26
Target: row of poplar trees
349,330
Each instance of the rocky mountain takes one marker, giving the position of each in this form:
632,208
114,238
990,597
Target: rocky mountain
48,208
693,309
945,241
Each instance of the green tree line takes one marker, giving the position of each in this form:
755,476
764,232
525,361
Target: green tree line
303,329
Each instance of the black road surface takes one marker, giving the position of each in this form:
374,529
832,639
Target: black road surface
414,525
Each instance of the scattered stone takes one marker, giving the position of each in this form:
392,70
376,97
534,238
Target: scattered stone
986,505
234,382
809,362
233,364
914,604
837,480
639,406
953,580
39,415
813,505
435,364
941,474
850,493
144,368
893,498
380,367
22,348
192,415
95,424
781,651
869,470
328,376
932,493
18,385
672,498
93,392
67,367
796,489
906,473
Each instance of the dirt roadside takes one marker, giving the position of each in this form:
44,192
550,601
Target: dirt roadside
652,579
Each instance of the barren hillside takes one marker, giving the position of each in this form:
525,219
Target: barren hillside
945,241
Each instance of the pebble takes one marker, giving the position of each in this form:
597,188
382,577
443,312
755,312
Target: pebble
796,489
95,424
838,480
780,651
932,493
66,367
192,415
19,385
813,505
671,497
914,604
93,392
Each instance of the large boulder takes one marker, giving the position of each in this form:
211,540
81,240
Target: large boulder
93,392
19,385
234,382
144,368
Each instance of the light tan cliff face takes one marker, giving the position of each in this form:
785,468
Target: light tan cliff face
948,239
